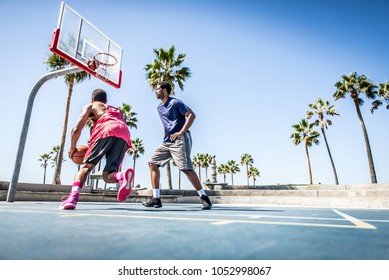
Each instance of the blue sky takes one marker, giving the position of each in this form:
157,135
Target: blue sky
256,65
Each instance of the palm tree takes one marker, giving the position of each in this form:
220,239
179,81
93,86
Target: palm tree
233,168
54,62
197,161
45,161
383,92
223,169
205,162
357,85
305,133
323,109
246,159
54,158
253,172
166,66
135,151
129,115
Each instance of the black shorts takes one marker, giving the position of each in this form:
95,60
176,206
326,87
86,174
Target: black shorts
113,148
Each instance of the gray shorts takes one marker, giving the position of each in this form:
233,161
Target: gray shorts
179,151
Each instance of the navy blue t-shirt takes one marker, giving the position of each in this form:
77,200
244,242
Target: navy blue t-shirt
172,115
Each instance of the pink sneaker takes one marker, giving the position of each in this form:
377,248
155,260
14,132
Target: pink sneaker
69,202
125,185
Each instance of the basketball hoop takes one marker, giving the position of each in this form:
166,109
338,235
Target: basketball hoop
101,58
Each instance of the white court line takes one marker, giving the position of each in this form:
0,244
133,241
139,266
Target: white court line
355,221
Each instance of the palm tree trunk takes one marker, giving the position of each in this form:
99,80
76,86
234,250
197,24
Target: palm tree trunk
179,179
133,168
44,175
309,165
329,153
169,176
232,179
373,176
247,173
58,167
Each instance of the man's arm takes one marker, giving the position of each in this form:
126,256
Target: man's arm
190,117
77,129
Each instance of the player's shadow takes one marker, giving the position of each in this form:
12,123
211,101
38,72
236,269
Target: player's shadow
184,208
245,209
195,209
141,210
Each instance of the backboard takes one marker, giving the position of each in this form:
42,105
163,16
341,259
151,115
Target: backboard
78,41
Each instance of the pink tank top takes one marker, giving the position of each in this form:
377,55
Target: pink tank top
111,123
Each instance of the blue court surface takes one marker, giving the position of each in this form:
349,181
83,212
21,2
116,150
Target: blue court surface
118,231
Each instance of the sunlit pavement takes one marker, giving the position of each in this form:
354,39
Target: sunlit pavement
113,231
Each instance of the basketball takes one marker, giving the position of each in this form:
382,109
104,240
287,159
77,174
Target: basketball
92,64
79,154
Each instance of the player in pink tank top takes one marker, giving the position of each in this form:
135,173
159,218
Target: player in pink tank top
111,123
110,138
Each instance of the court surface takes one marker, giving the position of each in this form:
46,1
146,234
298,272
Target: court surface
115,231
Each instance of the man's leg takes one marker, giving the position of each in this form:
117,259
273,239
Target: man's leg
82,174
194,179
160,157
117,177
79,180
125,180
155,175
114,155
155,200
180,151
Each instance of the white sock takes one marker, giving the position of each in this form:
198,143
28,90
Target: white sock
201,192
156,193
76,189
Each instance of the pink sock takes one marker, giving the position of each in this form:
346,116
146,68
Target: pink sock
118,176
77,186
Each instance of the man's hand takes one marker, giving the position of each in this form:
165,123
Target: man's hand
175,136
71,151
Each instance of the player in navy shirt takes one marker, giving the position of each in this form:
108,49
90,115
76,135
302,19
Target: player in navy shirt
172,115
176,118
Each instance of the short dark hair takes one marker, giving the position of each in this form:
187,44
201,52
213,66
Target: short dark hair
99,95
166,85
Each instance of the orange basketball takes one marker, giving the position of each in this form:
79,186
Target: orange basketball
79,154
92,64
